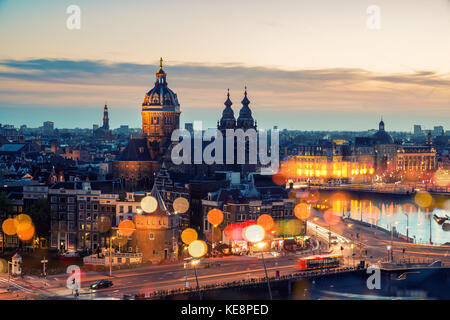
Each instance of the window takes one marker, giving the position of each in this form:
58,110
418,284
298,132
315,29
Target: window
81,206
151,236
120,209
71,200
95,207
130,209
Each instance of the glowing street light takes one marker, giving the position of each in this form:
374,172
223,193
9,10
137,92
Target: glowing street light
255,234
197,249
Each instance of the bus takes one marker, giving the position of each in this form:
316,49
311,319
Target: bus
319,262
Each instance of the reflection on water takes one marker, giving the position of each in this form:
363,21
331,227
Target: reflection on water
412,216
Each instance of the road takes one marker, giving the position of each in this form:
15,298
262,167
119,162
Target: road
168,277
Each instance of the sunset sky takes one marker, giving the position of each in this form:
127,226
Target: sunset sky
308,65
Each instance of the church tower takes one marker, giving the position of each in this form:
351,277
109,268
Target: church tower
139,162
245,120
227,121
160,114
105,118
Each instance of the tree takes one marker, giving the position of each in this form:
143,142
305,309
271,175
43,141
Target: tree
40,214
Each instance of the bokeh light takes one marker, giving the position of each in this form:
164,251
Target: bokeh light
442,177
408,208
301,211
23,222
189,235
9,226
292,227
215,217
104,224
149,204
265,221
26,234
331,217
423,199
126,228
279,179
181,205
197,248
254,233
234,232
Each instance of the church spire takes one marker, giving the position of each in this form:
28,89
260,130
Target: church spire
228,102
245,101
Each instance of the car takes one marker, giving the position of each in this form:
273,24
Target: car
100,284
71,254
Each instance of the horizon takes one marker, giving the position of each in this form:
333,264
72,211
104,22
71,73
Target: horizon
317,66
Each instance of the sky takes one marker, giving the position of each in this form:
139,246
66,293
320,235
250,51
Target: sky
308,65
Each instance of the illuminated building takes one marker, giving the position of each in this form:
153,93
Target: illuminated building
157,233
416,158
141,159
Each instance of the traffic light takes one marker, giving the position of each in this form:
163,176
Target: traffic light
73,281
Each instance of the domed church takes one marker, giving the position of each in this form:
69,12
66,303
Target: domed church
381,136
141,159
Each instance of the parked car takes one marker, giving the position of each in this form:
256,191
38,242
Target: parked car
71,254
100,284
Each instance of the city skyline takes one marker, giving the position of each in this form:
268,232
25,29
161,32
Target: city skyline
335,64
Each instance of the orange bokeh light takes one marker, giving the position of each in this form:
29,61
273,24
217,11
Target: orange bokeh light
26,234
301,211
126,228
215,217
265,221
189,235
331,217
9,226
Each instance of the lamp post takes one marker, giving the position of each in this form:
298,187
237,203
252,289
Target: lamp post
197,249
194,263
255,234
110,246
262,245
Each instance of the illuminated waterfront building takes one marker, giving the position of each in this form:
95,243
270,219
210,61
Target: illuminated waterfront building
416,158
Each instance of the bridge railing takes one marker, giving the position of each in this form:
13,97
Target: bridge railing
160,294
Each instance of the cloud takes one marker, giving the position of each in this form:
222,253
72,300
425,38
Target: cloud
54,82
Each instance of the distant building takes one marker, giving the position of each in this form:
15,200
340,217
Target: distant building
438,130
48,127
103,133
418,130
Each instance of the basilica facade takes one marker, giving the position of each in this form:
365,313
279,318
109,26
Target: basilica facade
141,159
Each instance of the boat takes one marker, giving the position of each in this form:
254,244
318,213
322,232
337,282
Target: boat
440,220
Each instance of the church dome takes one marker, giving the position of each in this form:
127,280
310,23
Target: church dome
381,136
245,114
161,95
228,113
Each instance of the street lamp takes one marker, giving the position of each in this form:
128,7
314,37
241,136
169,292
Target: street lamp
194,263
131,230
255,234
197,249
